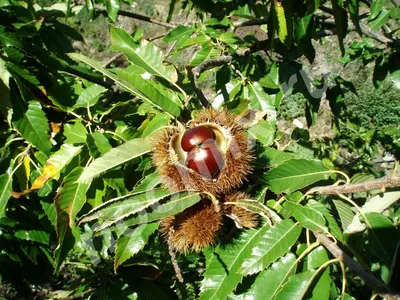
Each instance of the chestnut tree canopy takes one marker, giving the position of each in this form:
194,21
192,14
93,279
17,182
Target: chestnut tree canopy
313,84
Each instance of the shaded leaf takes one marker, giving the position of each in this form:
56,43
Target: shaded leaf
345,213
382,236
264,131
132,241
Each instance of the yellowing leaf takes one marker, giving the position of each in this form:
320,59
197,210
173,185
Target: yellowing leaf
55,164
282,26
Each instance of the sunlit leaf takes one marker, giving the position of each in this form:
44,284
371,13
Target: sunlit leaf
307,217
221,276
123,84
39,236
116,157
297,286
147,56
34,127
5,193
55,164
75,133
261,100
270,281
178,203
332,224
275,243
295,174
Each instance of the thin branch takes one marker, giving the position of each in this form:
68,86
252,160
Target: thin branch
81,295
173,257
210,64
112,59
378,184
382,289
253,22
138,17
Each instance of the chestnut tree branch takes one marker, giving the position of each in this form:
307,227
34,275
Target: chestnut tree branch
381,288
138,17
377,184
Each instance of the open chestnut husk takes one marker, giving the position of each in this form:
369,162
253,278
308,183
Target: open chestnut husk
213,135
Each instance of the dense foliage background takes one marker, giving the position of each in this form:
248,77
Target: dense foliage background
83,87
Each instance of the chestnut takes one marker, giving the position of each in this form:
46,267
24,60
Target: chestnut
196,136
206,160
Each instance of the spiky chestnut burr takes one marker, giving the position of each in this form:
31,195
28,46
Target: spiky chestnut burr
230,140
193,229
241,216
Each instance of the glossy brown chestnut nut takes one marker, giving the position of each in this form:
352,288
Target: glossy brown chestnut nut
206,160
196,136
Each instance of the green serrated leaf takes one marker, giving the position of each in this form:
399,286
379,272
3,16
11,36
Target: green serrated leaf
98,144
112,7
132,241
176,203
5,193
96,65
332,224
116,157
34,127
381,20
261,100
89,96
125,206
221,276
161,97
307,217
275,243
282,26
269,282
75,133
147,56
376,8
297,286
206,53
178,33
264,132
295,174
39,236
345,213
